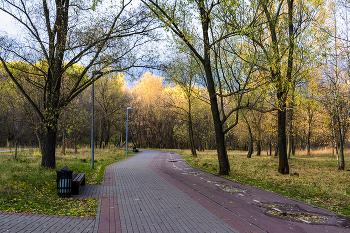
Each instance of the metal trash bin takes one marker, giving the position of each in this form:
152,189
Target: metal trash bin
135,150
64,183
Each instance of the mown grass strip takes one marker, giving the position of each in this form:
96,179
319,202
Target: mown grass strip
26,187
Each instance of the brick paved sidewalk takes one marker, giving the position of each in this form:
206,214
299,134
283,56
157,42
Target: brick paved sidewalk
159,192
149,203
18,223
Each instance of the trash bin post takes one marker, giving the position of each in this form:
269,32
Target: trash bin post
64,183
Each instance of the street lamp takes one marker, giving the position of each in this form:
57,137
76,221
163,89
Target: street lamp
92,118
127,123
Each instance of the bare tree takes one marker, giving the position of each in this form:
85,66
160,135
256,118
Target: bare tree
214,45
55,36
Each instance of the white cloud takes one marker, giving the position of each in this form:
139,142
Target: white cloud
7,24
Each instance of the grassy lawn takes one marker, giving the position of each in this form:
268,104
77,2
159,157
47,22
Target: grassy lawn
26,187
313,179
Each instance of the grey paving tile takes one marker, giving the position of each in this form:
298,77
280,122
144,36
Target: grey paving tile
28,223
157,206
146,203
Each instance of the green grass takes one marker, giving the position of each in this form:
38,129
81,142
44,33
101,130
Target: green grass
26,187
313,179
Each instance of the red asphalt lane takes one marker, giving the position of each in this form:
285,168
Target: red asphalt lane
240,210
109,213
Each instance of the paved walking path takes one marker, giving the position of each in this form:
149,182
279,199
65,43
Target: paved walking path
159,192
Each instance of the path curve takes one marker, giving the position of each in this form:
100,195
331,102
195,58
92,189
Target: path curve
157,191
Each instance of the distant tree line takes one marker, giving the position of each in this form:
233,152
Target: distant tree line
255,75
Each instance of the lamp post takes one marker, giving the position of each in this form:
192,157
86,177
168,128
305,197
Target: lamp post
127,123
92,118
92,127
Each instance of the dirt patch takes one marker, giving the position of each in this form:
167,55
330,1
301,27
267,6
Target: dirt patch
295,213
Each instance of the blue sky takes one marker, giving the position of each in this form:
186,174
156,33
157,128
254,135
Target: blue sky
9,27
7,24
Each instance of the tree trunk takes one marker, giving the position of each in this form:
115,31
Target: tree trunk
335,141
281,83
258,147
341,141
200,145
63,143
75,143
290,121
107,136
308,143
250,147
37,134
291,147
101,133
48,149
251,140
310,118
283,166
276,150
100,142
16,143
220,137
190,132
224,166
